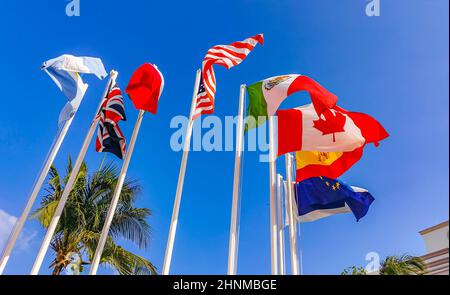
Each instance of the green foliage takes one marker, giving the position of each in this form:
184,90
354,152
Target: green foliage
402,265
393,265
81,223
354,271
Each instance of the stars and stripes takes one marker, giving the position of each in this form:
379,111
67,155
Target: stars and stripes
224,55
109,136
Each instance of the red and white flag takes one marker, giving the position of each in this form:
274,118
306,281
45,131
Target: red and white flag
336,130
224,55
145,88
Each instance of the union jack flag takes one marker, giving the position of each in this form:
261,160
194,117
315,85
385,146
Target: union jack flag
224,55
109,136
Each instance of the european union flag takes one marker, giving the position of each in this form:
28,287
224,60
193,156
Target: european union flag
320,197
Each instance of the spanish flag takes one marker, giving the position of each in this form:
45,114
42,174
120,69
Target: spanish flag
328,164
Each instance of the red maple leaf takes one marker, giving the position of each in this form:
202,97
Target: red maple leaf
330,122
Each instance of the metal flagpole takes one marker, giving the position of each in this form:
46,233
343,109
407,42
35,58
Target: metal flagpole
115,198
68,188
176,205
290,204
281,253
273,212
37,187
297,223
299,246
234,228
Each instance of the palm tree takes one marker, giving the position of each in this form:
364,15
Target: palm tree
402,265
393,265
81,223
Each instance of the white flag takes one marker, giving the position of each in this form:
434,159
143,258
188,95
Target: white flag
65,71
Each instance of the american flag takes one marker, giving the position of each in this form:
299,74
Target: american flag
224,55
109,136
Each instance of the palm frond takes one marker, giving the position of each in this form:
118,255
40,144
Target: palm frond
125,262
402,265
45,213
131,224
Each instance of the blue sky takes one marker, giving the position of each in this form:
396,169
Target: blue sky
393,67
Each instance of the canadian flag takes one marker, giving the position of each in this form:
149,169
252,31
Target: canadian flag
335,130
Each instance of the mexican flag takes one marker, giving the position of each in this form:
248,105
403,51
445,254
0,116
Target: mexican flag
266,96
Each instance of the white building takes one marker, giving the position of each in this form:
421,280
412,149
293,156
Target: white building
436,243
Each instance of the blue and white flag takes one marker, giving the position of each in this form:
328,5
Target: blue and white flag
65,71
320,197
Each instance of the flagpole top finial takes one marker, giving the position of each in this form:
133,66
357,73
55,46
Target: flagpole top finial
113,73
